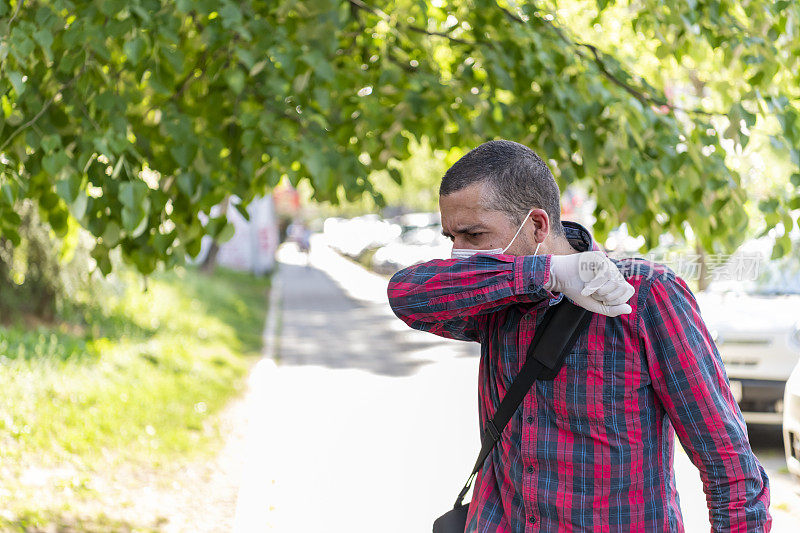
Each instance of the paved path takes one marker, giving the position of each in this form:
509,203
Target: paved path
364,425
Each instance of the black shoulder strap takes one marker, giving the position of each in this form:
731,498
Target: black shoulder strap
554,338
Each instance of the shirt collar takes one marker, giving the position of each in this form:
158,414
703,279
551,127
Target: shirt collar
578,236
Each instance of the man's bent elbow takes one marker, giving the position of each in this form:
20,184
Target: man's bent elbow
398,293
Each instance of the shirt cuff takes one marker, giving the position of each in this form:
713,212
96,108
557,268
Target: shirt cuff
531,272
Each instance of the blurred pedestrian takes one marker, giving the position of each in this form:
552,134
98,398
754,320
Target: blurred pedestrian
299,233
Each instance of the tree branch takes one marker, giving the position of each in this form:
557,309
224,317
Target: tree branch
47,105
190,77
597,59
441,34
383,15
16,12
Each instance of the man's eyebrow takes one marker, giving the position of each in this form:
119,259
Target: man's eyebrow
466,229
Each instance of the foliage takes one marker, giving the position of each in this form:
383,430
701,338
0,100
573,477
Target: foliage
134,116
418,190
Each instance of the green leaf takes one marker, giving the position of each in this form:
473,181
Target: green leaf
134,220
45,39
231,15
183,154
11,234
16,81
162,241
174,57
69,188
78,206
396,176
243,210
185,6
235,79
782,246
111,7
226,233
186,184
53,163
8,194
132,194
193,247
134,49
50,142
57,218
100,254
10,218
21,45
111,234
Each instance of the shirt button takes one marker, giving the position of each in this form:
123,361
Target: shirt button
531,470
529,420
532,519
479,296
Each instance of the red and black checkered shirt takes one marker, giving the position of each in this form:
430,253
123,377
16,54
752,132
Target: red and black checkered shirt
592,450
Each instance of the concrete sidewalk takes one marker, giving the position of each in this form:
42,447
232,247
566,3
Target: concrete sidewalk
366,425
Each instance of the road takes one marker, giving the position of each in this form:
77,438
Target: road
364,425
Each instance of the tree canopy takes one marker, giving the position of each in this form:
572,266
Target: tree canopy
130,117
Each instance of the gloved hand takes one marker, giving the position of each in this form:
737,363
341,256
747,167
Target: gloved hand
592,281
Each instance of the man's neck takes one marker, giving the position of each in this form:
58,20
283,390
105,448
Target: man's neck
563,247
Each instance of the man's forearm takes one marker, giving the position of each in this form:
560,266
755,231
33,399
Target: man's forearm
448,291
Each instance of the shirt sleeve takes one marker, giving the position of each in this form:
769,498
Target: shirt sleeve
689,378
451,297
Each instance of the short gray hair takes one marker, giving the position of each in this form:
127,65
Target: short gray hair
518,180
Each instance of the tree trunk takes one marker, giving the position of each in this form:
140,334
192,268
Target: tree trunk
702,278
211,258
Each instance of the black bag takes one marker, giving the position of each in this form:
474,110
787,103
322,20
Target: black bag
554,338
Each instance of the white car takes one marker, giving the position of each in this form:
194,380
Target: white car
420,241
791,422
758,339
353,236
755,322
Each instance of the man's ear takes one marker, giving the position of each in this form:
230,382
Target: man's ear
540,224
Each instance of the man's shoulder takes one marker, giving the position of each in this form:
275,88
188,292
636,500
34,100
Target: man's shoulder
638,270
644,274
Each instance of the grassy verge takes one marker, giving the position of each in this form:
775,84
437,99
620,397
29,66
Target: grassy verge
136,382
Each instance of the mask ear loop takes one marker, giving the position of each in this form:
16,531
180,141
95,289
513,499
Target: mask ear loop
518,231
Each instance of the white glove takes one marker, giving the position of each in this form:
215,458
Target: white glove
592,281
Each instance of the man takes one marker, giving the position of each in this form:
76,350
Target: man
591,450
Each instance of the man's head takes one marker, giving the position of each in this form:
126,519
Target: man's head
485,197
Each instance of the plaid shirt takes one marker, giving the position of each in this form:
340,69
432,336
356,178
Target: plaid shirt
592,450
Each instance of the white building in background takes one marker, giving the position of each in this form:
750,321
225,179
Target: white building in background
252,247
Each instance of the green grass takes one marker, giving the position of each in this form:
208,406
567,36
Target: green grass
137,378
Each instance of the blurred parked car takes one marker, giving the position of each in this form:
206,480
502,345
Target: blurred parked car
791,422
420,240
355,235
754,318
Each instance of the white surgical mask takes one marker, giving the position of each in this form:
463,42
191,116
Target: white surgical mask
463,253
